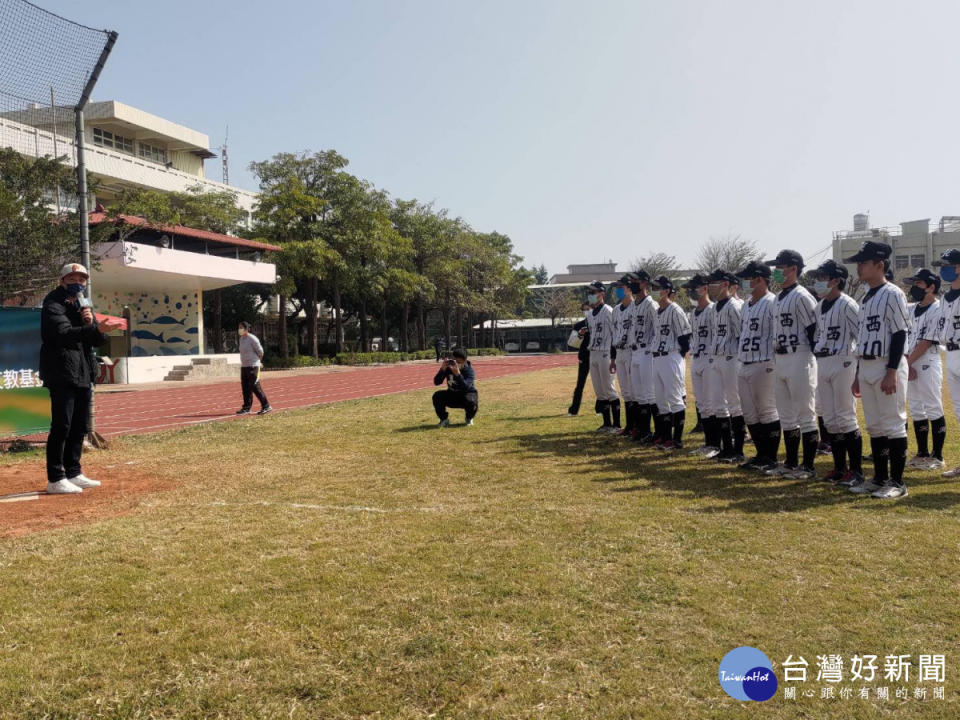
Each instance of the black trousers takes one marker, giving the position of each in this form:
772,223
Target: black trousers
69,421
250,383
443,399
583,371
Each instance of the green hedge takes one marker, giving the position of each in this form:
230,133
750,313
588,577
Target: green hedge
350,358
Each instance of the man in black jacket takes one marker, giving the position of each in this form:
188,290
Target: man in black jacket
68,369
583,364
460,392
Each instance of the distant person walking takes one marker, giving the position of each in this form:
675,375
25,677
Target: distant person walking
251,360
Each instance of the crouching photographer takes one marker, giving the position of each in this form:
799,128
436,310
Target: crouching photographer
461,392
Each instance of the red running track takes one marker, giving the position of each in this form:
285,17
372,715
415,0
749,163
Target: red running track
142,411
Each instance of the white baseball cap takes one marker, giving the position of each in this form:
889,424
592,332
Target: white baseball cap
73,268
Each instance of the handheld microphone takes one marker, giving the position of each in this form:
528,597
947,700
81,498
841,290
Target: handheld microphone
83,301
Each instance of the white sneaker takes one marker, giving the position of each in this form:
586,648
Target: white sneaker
470,422
933,464
952,473
917,461
62,487
82,481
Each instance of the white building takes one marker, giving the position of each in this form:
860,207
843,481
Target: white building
915,245
156,277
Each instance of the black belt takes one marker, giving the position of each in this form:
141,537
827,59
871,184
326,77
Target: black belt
660,354
952,346
826,353
868,357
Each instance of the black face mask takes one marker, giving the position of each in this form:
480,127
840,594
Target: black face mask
917,293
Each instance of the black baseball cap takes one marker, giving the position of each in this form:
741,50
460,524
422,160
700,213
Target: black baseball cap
832,269
597,286
642,275
755,268
663,283
719,275
926,276
948,257
696,281
787,258
870,250
627,279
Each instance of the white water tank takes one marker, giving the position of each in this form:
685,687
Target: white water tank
861,221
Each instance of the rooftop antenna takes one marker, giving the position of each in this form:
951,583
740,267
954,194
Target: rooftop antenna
224,159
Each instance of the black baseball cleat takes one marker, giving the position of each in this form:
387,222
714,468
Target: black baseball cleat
243,411
265,410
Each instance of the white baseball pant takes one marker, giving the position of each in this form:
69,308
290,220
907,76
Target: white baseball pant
795,388
641,377
953,379
757,396
624,363
669,382
603,385
837,403
885,415
925,394
700,378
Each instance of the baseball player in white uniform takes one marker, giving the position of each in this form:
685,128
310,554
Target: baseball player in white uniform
925,371
641,363
600,325
756,379
701,352
949,263
623,313
724,366
670,345
796,370
882,373
838,327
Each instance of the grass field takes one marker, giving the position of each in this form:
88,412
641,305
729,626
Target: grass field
354,561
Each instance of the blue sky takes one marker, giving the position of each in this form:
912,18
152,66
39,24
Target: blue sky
585,131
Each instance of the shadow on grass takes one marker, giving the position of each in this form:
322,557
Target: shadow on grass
607,460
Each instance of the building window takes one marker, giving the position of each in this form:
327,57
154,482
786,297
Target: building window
901,261
151,152
917,261
105,138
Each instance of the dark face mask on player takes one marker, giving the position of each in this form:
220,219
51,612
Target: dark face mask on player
918,293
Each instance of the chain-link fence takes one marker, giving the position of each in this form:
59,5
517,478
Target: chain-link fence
47,66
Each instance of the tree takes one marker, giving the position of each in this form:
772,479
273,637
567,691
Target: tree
727,252
290,210
540,275
34,242
656,264
557,304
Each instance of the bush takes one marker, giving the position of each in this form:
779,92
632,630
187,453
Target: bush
352,358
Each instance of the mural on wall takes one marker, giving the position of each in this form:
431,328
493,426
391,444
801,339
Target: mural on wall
160,324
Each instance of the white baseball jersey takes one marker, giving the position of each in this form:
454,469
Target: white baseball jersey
795,313
701,322
600,322
623,325
726,327
644,322
758,324
838,325
671,324
925,324
950,318
883,312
